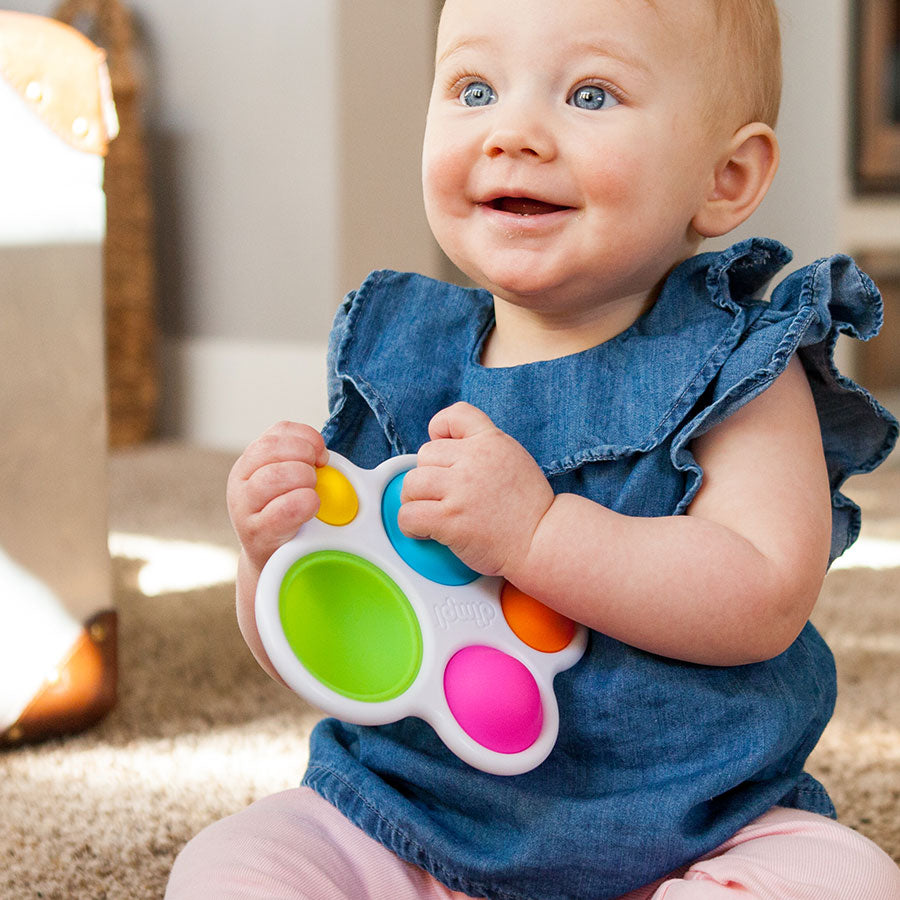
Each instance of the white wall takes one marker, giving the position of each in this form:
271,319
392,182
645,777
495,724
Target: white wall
244,131
321,177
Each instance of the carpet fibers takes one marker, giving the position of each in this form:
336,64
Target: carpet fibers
199,731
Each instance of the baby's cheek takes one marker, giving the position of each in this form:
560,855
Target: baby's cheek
443,183
614,178
447,161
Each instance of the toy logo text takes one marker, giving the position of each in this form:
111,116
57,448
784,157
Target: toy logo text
451,611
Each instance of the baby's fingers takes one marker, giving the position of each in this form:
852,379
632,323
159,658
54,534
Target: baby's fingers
274,480
425,483
461,420
268,507
420,518
278,521
286,441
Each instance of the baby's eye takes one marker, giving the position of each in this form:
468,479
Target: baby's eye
592,96
477,93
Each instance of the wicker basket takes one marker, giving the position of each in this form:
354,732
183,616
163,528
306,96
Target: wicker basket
129,263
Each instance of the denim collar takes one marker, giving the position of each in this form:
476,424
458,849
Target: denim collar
412,346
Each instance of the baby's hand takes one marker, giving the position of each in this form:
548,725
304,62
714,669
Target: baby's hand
477,490
271,488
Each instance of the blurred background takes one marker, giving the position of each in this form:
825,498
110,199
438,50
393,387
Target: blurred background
267,159
283,145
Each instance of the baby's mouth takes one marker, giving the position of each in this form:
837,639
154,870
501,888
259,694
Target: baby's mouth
524,206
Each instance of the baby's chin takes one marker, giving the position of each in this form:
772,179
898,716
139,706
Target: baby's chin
534,290
518,282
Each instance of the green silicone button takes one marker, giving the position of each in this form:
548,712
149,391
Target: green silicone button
350,625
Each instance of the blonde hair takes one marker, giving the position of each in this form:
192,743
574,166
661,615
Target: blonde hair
748,59
744,73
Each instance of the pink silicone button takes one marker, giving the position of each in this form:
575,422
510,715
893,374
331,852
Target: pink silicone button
494,698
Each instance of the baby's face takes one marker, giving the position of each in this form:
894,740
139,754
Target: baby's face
564,156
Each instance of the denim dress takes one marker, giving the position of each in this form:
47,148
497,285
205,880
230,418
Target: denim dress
658,761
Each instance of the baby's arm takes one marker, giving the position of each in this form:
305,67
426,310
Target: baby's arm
731,582
270,493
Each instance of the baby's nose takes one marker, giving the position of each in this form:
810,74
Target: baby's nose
520,135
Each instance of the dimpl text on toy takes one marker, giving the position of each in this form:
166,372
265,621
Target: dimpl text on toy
372,626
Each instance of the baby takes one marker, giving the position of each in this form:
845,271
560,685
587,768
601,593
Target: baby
623,429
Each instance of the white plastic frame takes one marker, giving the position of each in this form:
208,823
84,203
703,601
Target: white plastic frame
450,618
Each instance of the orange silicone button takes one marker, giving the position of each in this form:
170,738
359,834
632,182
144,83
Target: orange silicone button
533,623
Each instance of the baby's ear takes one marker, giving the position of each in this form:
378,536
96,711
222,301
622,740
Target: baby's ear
742,176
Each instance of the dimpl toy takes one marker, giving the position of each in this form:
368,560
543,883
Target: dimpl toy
371,626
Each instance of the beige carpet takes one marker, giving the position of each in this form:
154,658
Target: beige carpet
200,732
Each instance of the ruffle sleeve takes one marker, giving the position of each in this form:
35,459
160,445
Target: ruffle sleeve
807,313
351,428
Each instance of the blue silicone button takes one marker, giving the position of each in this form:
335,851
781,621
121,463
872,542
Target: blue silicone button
429,558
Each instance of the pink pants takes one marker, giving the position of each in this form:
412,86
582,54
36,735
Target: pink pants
296,845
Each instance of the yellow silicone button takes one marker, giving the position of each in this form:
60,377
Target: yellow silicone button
339,503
